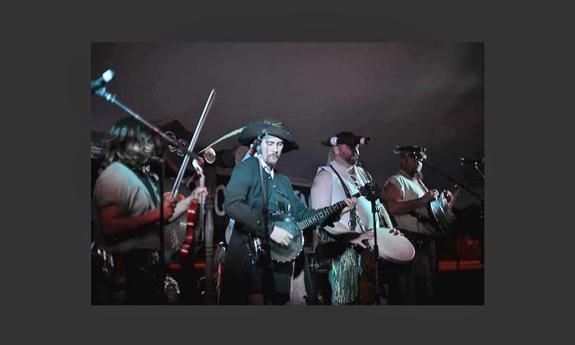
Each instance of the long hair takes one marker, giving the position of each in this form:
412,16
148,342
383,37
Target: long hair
130,142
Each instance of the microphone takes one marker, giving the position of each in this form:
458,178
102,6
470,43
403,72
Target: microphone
210,155
356,141
104,79
471,160
361,140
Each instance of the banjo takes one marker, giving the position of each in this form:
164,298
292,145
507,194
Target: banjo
288,253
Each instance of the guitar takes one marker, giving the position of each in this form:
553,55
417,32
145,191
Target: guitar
286,221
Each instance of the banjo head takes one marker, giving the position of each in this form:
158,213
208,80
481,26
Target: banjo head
287,253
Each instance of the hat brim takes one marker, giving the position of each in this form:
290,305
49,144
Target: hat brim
415,152
253,130
414,155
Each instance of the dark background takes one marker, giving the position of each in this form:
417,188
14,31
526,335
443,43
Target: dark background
397,93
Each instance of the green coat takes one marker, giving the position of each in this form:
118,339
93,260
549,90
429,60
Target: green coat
243,203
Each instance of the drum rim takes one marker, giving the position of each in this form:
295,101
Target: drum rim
387,257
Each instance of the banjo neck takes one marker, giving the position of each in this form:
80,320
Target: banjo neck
322,214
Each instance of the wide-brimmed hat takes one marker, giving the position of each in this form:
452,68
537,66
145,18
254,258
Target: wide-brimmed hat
345,138
253,130
415,152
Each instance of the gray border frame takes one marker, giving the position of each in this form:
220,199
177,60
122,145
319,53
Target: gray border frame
48,278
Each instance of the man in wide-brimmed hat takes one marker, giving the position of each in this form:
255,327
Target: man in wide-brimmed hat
407,198
243,277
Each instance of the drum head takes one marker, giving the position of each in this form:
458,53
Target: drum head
393,247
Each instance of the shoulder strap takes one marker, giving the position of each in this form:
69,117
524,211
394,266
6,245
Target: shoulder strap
352,215
146,181
345,189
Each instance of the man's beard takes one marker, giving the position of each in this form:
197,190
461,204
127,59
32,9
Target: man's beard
351,159
418,174
272,160
135,157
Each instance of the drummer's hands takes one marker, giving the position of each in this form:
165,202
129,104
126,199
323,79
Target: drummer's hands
362,237
281,236
350,203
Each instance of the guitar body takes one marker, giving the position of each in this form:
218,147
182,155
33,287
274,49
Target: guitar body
288,253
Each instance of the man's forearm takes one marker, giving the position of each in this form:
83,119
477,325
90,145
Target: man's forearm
337,229
117,225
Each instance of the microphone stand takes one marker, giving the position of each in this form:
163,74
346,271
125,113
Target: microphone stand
453,180
102,92
373,196
163,271
479,171
267,257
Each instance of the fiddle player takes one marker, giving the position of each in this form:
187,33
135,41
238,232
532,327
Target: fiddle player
126,197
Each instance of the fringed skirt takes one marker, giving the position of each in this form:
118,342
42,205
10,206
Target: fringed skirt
344,277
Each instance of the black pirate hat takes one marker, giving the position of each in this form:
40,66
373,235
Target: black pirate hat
416,152
254,129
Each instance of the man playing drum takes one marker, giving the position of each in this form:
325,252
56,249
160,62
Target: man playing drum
332,183
407,198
